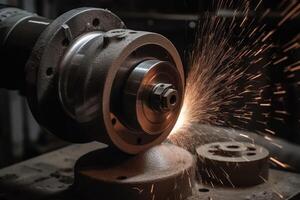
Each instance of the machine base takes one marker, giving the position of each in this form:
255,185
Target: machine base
50,177
162,172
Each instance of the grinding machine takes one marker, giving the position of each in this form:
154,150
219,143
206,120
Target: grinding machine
89,78
117,94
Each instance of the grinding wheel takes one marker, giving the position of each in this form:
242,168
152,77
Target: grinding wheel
162,172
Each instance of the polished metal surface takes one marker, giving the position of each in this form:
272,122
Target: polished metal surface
148,93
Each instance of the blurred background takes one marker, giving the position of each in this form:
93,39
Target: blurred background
22,138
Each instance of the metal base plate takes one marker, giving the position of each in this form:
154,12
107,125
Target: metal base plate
162,172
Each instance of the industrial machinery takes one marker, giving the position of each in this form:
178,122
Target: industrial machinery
89,78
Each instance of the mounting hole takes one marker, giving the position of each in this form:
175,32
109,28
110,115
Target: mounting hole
233,147
113,121
203,190
132,32
139,141
49,71
96,22
65,42
173,100
251,154
251,148
122,177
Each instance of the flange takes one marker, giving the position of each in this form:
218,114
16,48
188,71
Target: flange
43,66
162,172
232,164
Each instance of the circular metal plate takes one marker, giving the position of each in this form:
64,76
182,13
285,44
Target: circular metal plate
162,172
233,164
137,96
142,44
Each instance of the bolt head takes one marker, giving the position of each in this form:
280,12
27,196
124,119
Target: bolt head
164,97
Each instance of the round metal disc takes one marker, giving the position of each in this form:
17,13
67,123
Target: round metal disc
233,164
124,138
137,95
162,172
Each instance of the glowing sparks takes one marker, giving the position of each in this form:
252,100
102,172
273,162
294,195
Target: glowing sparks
225,79
183,119
270,131
291,13
228,83
281,164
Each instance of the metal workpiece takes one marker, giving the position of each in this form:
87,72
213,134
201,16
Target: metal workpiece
232,164
162,172
87,78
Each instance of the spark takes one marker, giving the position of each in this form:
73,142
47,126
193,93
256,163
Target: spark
270,131
228,83
280,60
268,35
295,10
293,69
293,46
273,188
283,112
265,104
281,164
152,188
246,136
280,92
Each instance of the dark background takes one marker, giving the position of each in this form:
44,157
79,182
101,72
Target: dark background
22,138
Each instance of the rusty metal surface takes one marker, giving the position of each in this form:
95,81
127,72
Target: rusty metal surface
42,68
200,134
50,176
281,185
232,164
43,177
162,172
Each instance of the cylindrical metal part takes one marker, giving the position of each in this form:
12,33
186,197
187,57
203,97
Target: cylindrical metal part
162,172
127,77
19,31
232,164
